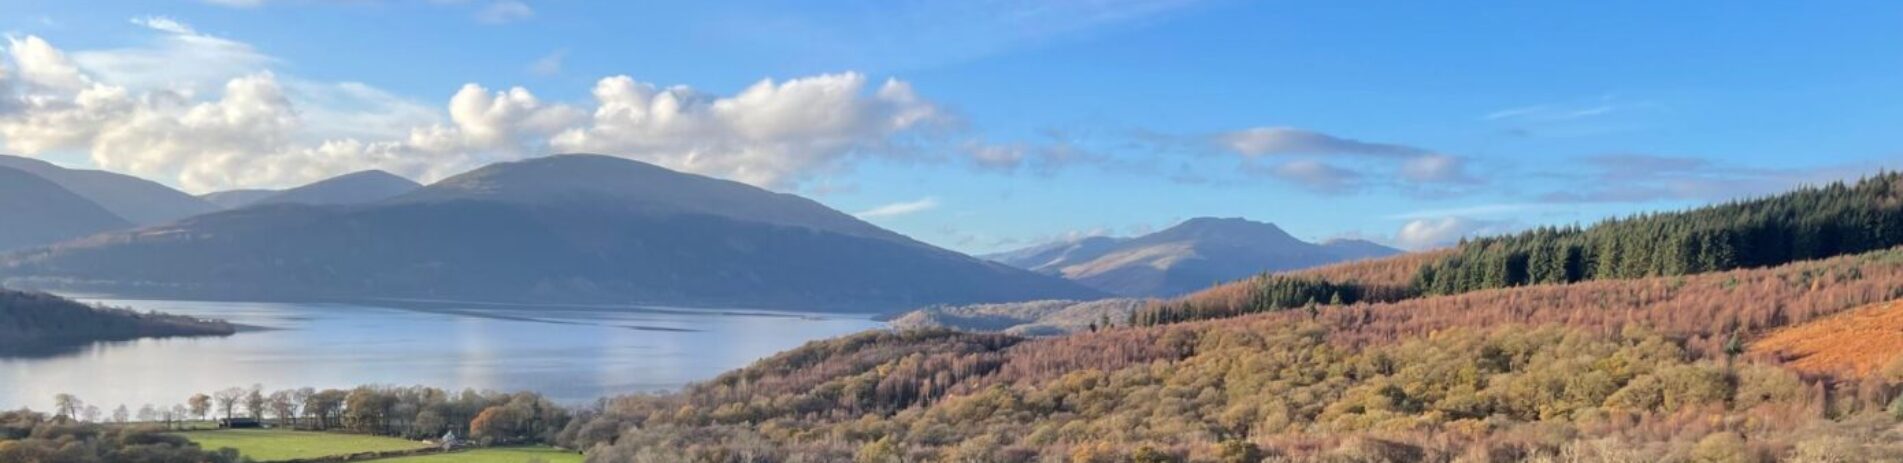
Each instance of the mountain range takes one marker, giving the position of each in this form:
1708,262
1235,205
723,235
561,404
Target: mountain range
558,229
353,188
137,200
1189,256
37,212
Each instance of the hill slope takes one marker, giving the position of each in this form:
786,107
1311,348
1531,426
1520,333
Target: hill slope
233,199
140,201
355,188
32,321
35,212
1189,256
571,228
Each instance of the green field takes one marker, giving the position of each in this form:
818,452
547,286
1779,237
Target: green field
272,444
495,455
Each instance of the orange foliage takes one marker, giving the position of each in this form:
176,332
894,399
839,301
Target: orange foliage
1857,343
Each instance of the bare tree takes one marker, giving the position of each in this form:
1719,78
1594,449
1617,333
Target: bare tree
90,414
254,402
121,415
67,406
284,405
228,400
147,414
177,414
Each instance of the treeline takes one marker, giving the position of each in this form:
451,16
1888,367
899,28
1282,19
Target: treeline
1810,223
27,436
416,412
1260,294
30,318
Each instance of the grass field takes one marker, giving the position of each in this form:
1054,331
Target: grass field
272,444
495,455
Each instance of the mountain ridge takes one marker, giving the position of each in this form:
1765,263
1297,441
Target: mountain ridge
555,229
1186,257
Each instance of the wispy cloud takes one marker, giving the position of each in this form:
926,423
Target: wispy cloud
550,64
899,209
504,11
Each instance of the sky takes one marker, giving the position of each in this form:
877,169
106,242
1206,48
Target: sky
986,125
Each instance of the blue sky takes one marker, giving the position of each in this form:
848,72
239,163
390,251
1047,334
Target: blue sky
986,125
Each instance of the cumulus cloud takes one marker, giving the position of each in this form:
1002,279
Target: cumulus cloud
899,209
773,133
1429,233
263,129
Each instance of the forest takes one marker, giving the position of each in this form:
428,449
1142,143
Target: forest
30,320
1805,224
1606,371
1810,223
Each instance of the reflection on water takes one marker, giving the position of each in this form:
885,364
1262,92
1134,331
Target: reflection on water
573,354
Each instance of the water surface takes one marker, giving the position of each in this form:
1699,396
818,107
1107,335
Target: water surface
573,354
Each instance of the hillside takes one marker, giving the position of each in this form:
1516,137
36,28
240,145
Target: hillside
1855,344
355,188
37,212
1033,318
1186,257
571,228
1617,370
31,322
233,199
140,201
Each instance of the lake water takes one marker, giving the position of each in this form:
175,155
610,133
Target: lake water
572,354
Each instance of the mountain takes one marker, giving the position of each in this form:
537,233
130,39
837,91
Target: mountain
1054,255
1189,256
35,212
356,188
137,200
233,199
559,229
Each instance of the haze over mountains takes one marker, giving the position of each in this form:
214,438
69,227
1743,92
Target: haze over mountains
354,188
137,200
1187,257
560,229
37,212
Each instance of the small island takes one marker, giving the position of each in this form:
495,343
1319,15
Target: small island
32,322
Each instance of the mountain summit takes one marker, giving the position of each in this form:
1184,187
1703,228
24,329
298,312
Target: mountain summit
1186,257
559,229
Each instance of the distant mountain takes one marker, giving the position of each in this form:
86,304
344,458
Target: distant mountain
36,212
1187,257
233,199
356,188
1051,256
137,200
560,229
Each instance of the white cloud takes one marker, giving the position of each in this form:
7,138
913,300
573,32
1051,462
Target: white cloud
1261,141
548,65
504,11
180,58
1316,175
899,209
773,133
1429,233
1351,159
263,129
